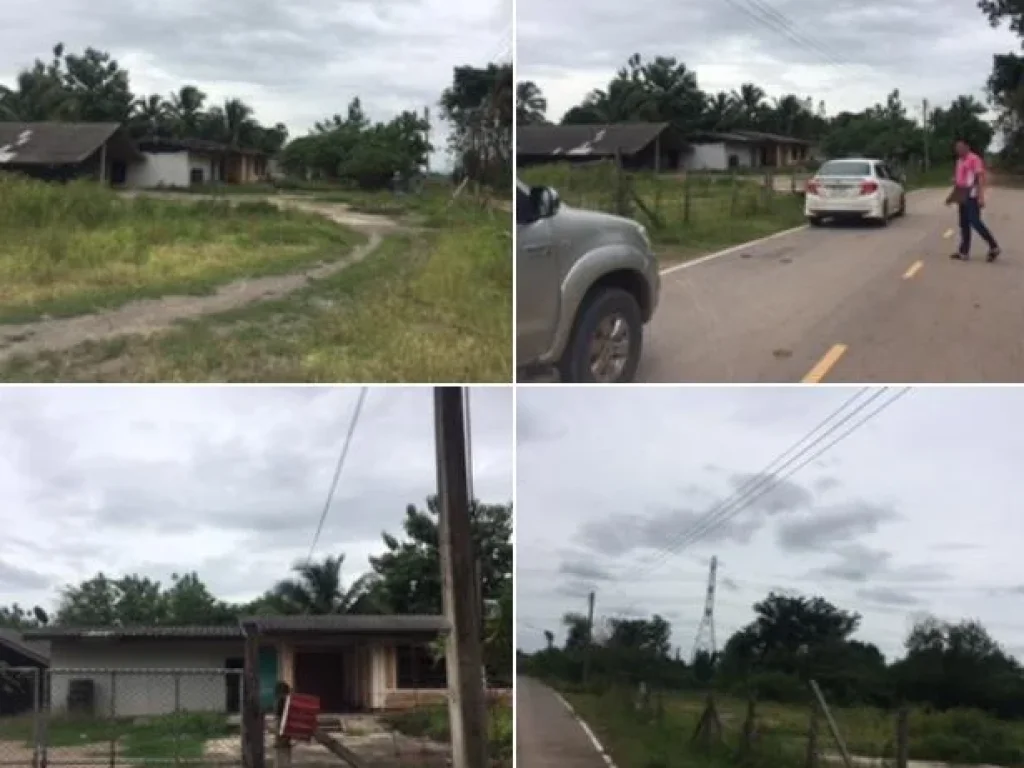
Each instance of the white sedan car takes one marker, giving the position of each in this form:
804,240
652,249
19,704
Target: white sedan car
854,188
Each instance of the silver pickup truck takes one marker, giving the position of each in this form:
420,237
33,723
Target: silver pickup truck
586,284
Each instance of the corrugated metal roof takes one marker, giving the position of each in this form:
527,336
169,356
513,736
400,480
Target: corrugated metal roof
52,143
350,623
158,144
333,624
38,651
116,633
586,140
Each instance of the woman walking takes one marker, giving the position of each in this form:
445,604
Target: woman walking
969,195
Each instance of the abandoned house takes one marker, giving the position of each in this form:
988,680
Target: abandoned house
352,663
64,151
187,162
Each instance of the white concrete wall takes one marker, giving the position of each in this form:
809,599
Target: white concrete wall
205,164
715,156
137,694
382,674
167,169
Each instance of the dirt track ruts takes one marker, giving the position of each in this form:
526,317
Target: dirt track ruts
147,316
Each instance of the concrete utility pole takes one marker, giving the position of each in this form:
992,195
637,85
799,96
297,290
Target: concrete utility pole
924,120
590,637
253,754
466,700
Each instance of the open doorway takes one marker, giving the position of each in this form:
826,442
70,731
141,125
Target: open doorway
233,685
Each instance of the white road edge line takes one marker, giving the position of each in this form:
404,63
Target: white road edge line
586,729
730,250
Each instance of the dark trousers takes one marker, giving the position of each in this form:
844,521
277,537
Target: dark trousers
970,218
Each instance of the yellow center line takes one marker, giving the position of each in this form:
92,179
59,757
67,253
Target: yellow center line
914,269
819,371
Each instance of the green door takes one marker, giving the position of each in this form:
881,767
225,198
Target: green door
268,677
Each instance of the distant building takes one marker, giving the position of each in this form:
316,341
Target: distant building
106,153
65,151
657,147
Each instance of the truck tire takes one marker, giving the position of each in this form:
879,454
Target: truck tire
606,315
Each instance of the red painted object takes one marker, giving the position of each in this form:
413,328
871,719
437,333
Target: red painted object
299,719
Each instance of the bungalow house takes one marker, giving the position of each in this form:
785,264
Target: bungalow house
721,151
353,663
22,666
186,162
65,151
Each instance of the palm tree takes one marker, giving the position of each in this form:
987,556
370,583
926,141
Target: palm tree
318,589
187,108
750,98
530,103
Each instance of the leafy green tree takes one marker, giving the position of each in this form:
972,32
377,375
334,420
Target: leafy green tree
531,105
409,571
479,105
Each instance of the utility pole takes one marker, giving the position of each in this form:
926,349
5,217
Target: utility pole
467,705
590,638
924,120
426,119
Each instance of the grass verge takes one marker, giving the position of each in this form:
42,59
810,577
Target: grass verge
181,735
432,723
425,307
686,216
962,737
78,248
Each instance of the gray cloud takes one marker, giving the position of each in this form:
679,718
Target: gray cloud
584,570
294,61
889,596
162,480
820,528
823,56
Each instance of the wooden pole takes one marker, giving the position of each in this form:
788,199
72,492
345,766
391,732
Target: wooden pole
466,700
902,738
253,755
590,638
833,728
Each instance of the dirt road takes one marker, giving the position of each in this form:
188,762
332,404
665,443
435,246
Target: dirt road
852,304
547,735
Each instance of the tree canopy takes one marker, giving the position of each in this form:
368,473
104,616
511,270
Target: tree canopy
793,639
1006,83
664,89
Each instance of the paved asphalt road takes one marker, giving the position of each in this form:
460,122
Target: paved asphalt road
854,303
547,736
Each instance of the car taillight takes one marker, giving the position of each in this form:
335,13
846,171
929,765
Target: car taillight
813,187
867,187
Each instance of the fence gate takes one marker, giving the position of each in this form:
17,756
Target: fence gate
120,717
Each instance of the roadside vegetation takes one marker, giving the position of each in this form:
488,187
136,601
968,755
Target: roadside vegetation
433,723
79,248
963,693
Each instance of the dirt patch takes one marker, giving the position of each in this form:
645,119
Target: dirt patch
148,316
86,756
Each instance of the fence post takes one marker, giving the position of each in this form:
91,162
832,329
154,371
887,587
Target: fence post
37,676
46,704
687,197
749,726
902,737
734,195
113,718
177,718
811,760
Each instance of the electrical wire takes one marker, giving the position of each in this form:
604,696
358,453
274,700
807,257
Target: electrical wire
337,471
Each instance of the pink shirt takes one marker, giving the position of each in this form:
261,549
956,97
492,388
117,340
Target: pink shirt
968,170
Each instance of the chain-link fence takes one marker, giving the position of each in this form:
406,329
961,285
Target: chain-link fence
120,717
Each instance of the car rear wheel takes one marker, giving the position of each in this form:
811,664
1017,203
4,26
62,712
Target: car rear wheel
606,340
903,206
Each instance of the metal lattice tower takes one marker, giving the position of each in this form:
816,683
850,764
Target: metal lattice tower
705,640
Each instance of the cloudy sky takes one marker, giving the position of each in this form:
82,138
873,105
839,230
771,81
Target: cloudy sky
293,61
849,53
153,480
916,511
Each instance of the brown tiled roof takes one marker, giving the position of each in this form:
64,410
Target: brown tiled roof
58,143
586,140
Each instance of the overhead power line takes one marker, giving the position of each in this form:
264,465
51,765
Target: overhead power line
337,471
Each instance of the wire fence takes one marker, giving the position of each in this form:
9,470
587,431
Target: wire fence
685,206
120,717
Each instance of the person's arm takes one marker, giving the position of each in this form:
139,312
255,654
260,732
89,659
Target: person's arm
982,175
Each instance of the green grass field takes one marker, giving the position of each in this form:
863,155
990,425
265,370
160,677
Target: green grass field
182,735
685,216
78,248
634,741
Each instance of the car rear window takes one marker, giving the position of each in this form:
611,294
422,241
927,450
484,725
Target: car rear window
845,168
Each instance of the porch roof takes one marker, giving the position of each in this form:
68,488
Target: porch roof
347,624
